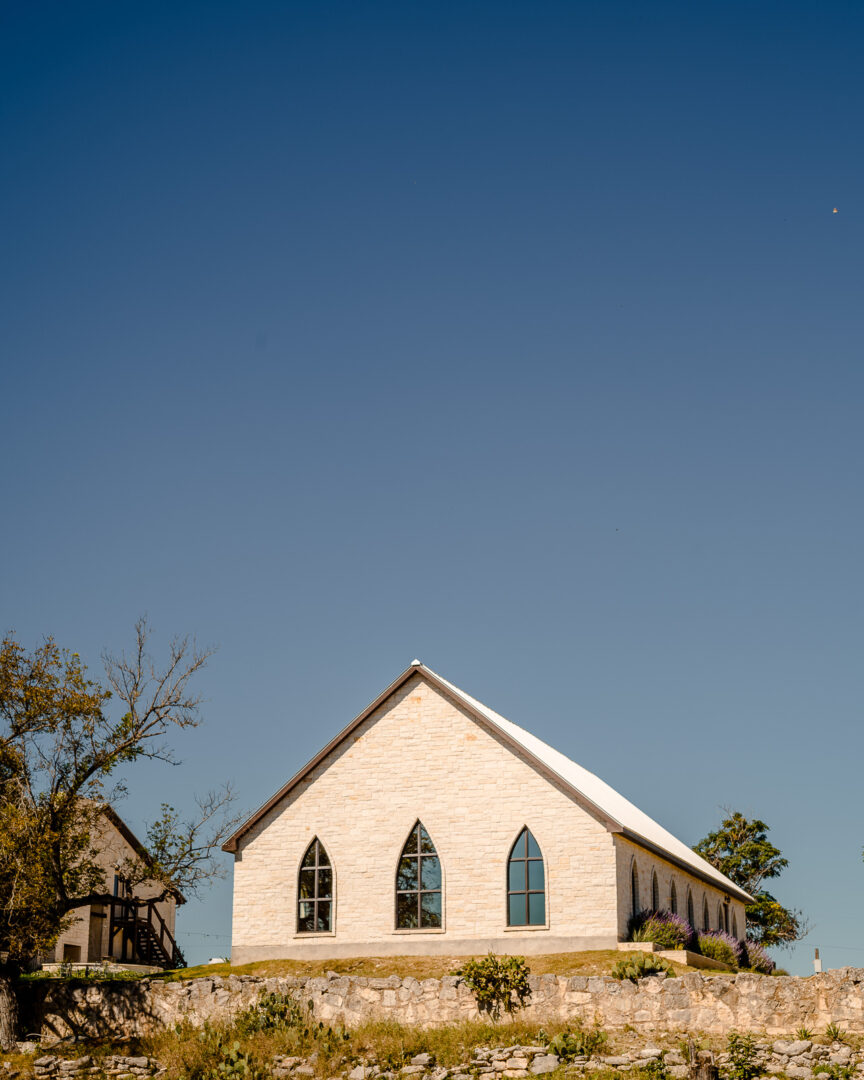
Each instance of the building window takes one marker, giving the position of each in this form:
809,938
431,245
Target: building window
735,927
655,893
720,917
673,899
315,891
634,890
526,883
706,918
691,915
418,883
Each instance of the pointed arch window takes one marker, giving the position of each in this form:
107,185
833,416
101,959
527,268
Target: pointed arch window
655,892
673,899
315,891
634,890
418,883
735,927
706,918
720,917
526,883
691,915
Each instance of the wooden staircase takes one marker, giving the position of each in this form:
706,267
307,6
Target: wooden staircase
139,935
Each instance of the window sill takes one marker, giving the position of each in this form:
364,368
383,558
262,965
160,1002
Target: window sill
303,934
522,929
421,930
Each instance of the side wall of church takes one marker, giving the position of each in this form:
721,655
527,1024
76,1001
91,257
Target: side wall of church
420,755
647,865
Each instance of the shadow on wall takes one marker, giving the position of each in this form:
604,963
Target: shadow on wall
68,1010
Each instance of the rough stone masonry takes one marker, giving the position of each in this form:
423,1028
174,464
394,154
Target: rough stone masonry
714,1004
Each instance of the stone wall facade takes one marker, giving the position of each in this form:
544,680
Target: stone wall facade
711,1004
421,756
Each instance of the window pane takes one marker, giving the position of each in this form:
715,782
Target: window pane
411,844
535,874
406,911
325,883
533,849
516,912
322,856
516,875
426,844
323,914
306,920
406,878
309,857
536,908
307,884
430,909
430,873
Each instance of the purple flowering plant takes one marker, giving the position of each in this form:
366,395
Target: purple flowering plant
718,945
664,928
757,959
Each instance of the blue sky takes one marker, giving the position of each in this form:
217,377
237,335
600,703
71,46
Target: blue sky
518,337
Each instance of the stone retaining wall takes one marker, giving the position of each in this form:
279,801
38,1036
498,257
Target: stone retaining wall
712,1004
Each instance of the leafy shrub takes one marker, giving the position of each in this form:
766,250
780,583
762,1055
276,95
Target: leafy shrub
654,1069
758,960
664,928
578,1043
742,1057
640,965
497,982
717,945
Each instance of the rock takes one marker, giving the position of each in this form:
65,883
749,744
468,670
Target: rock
799,1072
411,1070
517,1063
25,1048
615,1060
421,1059
674,1057
650,1053
304,1070
515,1073
359,1072
544,1063
792,1049
841,1057
46,1062
679,1072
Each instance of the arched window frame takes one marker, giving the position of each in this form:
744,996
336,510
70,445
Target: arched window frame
691,911
655,892
522,847
735,926
673,898
319,871
706,917
719,916
635,902
415,838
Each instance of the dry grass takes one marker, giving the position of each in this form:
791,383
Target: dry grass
600,962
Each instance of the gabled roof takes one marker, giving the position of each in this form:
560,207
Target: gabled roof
618,814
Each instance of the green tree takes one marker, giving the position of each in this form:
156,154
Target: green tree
63,736
741,850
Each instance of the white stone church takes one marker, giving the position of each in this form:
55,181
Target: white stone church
431,824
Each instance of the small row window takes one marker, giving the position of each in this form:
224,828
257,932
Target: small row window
419,888
726,920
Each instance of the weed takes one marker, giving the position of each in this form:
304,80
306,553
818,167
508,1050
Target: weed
497,982
742,1057
655,1069
834,1033
804,1034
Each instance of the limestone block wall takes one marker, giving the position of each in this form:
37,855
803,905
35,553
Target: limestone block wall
421,756
648,864
695,1003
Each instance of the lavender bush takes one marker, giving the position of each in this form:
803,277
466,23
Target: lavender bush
663,928
757,959
718,945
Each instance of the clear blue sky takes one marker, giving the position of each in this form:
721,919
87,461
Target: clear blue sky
519,337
